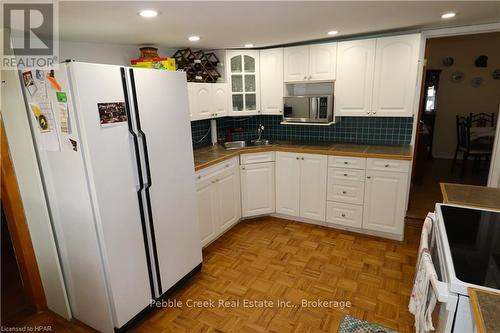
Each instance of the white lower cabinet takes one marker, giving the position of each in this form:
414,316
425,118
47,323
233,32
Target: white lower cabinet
344,214
219,205
207,211
257,189
288,184
301,185
368,194
385,194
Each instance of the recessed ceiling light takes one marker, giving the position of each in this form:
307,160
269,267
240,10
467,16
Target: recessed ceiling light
248,45
333,32
448,15
194,38
148,13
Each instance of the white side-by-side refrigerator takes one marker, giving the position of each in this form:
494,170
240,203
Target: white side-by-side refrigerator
115,151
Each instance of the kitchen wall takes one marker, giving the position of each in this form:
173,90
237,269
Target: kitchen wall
461,97
114,54
360,130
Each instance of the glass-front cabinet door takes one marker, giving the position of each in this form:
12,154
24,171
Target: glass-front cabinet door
243,74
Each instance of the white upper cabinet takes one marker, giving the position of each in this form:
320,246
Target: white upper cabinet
199,101
208,100
296,64
220,99
315,62
354,84
322,61
271,79
244,80
396,68
377,77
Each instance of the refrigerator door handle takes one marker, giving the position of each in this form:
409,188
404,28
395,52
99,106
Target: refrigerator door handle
148,183
140,186
138,176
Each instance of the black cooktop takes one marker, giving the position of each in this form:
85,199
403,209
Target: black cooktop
474,237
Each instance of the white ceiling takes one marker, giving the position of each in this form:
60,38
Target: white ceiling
234,23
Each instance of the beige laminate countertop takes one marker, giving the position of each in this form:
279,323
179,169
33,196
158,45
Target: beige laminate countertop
485,308
210,155
471,195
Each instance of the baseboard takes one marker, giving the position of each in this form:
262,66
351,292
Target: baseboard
298,219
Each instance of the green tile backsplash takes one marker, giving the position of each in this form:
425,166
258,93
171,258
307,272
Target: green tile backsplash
361,130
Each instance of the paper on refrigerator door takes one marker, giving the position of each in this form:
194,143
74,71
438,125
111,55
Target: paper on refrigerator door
64,124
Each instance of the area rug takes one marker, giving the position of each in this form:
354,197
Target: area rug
354,325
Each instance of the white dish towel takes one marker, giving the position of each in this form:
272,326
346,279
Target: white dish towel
423,297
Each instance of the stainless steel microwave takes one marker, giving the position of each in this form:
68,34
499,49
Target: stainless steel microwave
308,109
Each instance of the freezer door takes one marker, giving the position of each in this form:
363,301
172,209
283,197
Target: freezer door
109,154
161,102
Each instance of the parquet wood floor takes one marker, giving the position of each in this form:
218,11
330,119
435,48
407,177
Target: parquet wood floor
275,259
271,259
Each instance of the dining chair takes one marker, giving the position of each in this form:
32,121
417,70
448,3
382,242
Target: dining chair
465,146
482,119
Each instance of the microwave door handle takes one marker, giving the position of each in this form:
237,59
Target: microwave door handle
313,114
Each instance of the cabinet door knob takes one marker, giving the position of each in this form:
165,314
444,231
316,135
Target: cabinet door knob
302,158
310,77
367,112
387,165
297,157
344,192
346,162
343,215
368,177
199,177
242,168
345,174
374,112
305,77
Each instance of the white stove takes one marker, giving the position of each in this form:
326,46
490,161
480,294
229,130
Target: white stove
465,248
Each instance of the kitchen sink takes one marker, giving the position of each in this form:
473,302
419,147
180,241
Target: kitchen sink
235,144
243,144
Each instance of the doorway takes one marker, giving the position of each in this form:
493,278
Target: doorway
460,86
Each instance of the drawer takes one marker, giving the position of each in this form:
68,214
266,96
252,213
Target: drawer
346,191
387,165
347,162
346,174
344,214
216,169
251,158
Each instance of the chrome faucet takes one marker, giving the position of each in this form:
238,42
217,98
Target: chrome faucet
260,129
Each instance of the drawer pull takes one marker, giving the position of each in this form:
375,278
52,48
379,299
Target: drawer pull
387,165
369,177
242,168
346,162
345,174
298,158
343,215
344,192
